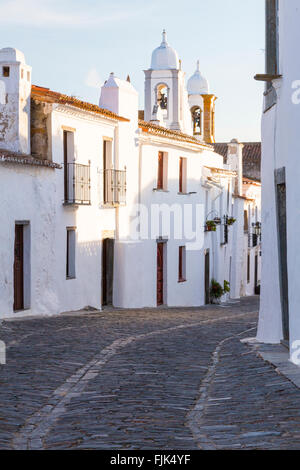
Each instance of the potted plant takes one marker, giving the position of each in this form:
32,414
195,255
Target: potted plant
226,288
210,226
217,220
216,292
231,220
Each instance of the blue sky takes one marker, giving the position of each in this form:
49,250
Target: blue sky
73,45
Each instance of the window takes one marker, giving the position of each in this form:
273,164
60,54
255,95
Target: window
28,76
182,175
107,171
162,173
197,120
71,248
245,221
182,264
248,268
6,71
68,162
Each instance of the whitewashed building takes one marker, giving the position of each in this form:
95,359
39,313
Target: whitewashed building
79,183
280,297
245,159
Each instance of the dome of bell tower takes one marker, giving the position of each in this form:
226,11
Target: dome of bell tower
164,57
197,84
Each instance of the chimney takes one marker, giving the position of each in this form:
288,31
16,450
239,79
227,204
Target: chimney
235,161
209,118
15,92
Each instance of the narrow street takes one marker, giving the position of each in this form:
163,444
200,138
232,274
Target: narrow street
148,379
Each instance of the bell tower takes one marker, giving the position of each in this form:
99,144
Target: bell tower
166,100
202,107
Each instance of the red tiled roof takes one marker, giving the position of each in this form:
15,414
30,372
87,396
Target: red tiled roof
19,158
154,129
251,158
49,96
251,181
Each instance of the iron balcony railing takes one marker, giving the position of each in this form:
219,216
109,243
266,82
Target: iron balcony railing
114,187
77,184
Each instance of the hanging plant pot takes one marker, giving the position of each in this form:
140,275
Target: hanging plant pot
210,226
231,221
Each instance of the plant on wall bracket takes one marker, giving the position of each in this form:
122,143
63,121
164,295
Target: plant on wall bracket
231,220
210,226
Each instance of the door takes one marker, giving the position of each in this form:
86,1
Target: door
207,278
19,268
107,271
160,274
282,248
256,286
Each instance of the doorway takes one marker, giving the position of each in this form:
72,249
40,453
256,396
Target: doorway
19,268
108,245
207,277
160,274
282,248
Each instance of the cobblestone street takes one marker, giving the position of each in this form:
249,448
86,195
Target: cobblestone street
148,379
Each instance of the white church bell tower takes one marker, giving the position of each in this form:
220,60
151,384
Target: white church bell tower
166,99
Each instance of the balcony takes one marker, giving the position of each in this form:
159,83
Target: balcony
114,187
77,184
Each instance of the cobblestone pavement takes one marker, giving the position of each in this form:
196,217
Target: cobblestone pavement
143,379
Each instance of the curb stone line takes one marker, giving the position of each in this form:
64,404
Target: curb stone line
195,416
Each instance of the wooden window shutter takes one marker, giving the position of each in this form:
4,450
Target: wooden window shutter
160,177
181,175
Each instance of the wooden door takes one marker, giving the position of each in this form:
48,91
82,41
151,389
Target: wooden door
282,246
256,287
207,278
19,268
107,271
160,273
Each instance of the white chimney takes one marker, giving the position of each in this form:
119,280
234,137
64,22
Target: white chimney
235,161
15,92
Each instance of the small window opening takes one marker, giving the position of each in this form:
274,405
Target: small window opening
6,71
71,249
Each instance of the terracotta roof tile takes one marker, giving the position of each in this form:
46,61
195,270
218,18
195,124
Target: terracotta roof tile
251,158
154,129
48,96
12,157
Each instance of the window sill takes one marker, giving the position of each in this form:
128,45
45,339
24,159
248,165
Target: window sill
70,278
160,190
180,281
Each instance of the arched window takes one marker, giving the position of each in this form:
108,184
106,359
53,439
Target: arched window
162,98
197,120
